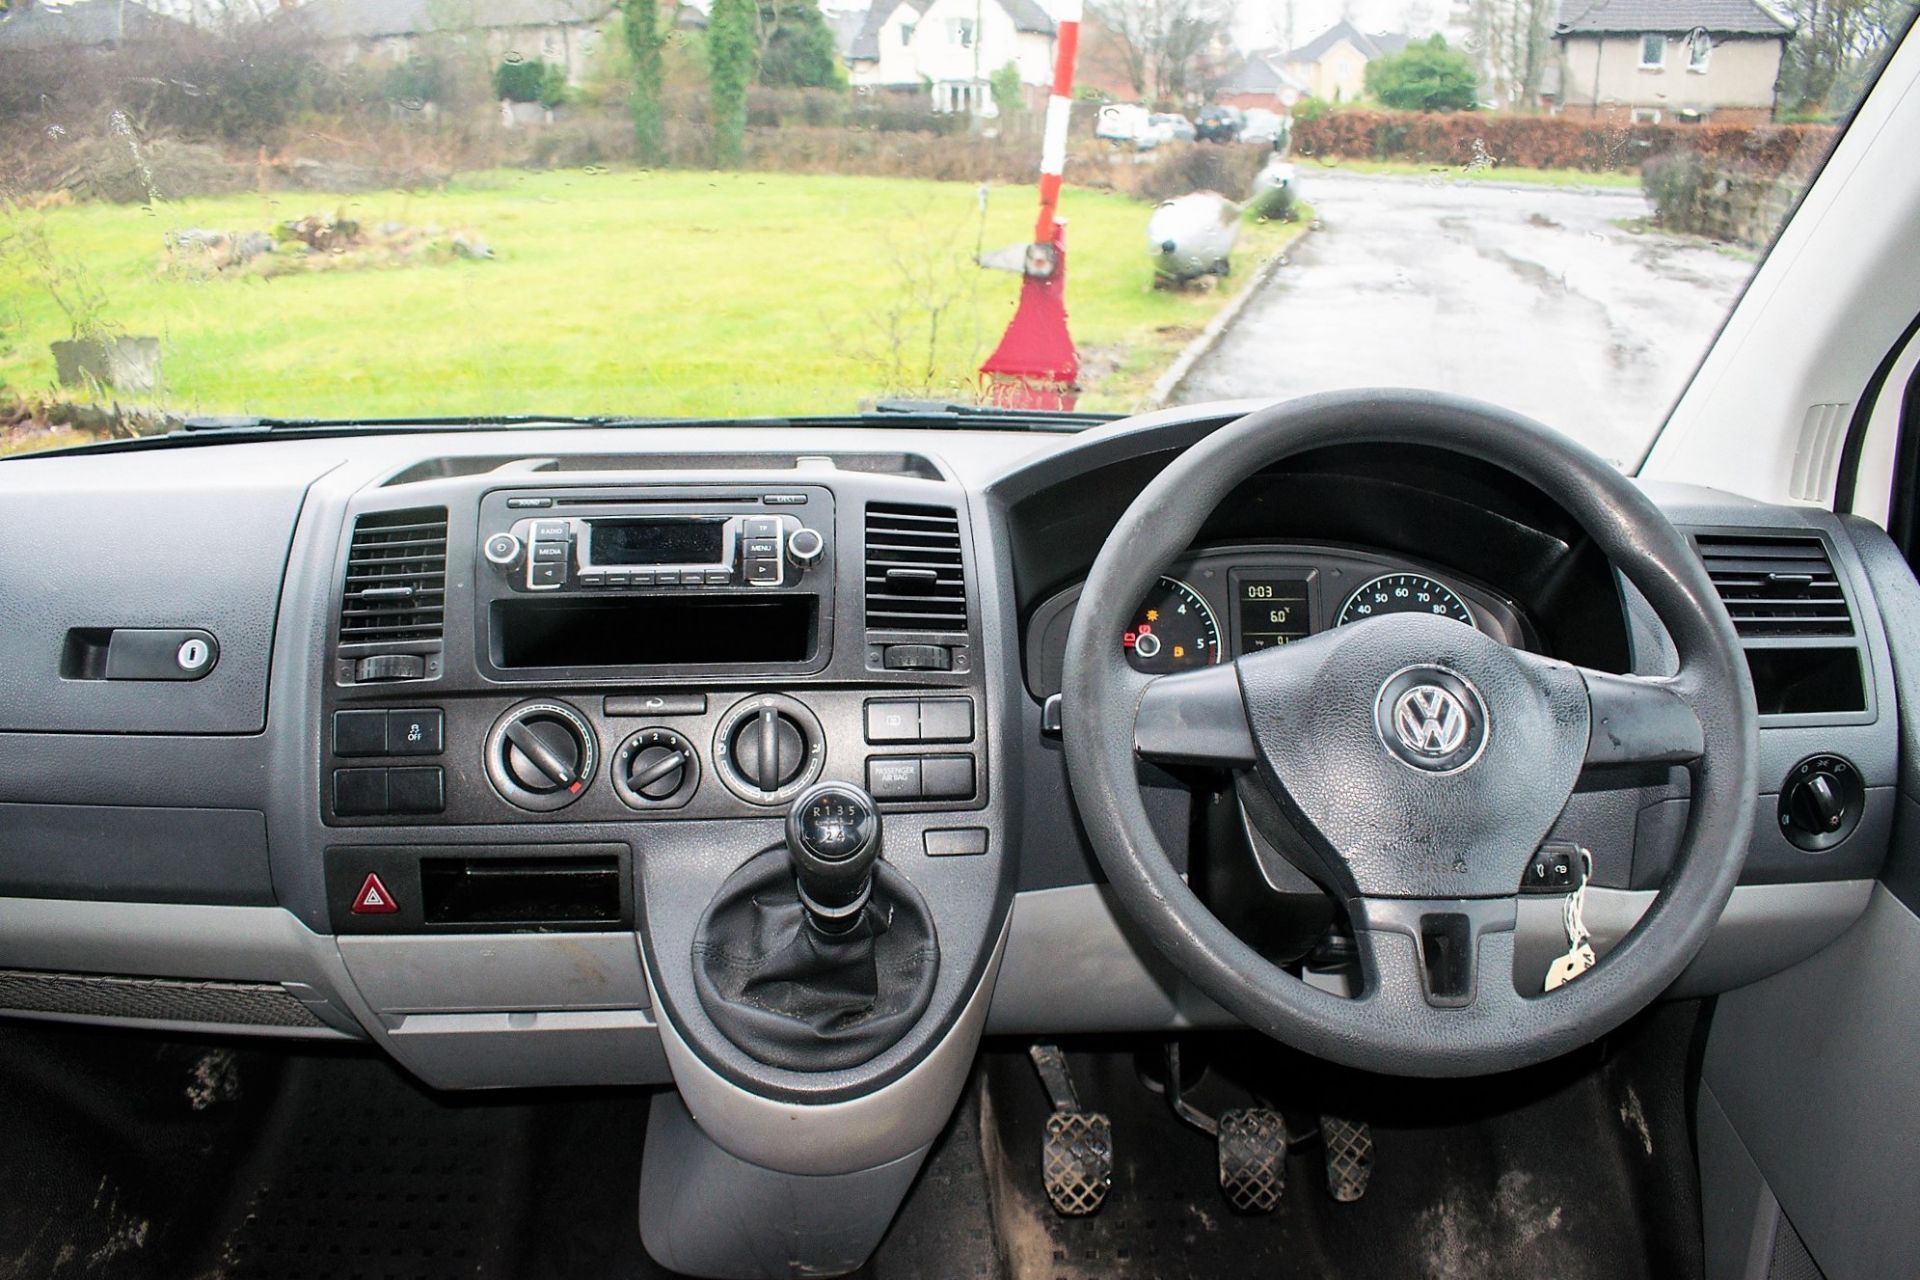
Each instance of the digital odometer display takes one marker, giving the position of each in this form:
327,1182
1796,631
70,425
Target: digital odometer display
1273,611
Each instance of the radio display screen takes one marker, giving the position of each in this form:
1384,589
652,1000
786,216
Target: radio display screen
616,542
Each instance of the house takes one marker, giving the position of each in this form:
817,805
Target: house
89,24
1332,65
561,32
951,49
1650,61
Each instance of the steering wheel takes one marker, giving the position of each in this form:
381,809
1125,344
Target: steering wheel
1410,764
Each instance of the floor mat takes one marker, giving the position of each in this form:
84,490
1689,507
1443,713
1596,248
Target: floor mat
1580,1170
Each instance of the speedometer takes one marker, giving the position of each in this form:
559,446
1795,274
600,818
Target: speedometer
1403,593
1173,630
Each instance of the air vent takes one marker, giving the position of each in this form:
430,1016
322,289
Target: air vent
396,577
916,573
1776,585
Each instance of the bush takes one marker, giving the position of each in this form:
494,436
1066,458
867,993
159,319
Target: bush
1553,142
1310,109
530,80
1425,76
1180,169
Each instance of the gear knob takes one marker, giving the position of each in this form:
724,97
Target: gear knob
833,836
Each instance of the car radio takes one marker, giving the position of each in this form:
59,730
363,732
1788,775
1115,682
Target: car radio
632,579
619,549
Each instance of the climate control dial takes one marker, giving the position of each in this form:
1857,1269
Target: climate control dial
541,755
655,769
768,749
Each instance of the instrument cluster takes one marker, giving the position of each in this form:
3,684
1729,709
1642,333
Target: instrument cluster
1219,605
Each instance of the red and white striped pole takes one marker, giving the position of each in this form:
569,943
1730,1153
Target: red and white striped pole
1036,365
1053,142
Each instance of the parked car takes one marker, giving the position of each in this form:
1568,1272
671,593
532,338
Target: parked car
1125,122
1219,124
1170,127
1263,126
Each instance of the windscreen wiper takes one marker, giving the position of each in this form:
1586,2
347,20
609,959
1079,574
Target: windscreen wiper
960,414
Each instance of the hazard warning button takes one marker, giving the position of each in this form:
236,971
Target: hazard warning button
373,898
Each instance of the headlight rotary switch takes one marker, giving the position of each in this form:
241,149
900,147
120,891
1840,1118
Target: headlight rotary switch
541,755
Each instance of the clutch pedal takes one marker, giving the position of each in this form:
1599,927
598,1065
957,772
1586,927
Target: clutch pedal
1076,1156
1348,1147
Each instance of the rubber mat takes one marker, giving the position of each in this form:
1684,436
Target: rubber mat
1579,1170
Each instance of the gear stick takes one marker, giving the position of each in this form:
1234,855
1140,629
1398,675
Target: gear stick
819,955
833,837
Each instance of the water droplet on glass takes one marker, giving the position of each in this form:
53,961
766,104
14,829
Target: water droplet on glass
514,57
414,104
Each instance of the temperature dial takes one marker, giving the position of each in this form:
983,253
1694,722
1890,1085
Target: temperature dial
541,755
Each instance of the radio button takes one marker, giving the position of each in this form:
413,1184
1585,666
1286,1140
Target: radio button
761,527
617,579
718,577
785,499
593,579
763,546
763,572
549,551
666,578
553,573
502,549
550,530
518,504
642,579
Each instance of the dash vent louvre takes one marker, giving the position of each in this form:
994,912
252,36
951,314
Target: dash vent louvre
1776,585
916,569
396,582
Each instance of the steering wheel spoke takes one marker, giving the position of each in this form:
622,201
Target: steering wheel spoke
1445,953
1195,717
1638,721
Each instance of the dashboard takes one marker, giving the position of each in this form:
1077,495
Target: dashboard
1229,601
445,741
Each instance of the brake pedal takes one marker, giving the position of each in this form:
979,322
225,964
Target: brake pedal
1349,1153
1252,1144
1076,1156
1253,1158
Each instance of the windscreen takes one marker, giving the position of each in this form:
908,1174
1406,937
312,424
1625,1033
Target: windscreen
358,211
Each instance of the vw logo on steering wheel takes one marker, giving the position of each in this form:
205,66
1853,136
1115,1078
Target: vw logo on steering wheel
1431,719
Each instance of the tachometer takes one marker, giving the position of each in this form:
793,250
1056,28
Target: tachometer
1173,630
1403,593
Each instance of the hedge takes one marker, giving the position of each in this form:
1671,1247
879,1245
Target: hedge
1465,138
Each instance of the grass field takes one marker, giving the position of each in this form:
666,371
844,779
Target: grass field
615,292
1492,173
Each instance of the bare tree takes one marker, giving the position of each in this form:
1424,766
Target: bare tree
1508,40
1836,47
1166,46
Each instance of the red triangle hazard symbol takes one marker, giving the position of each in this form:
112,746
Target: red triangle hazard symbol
373,898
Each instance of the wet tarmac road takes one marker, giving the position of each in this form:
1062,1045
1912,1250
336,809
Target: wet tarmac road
1532,297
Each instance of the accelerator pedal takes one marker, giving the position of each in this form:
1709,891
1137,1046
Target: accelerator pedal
1076,1155
1348,1148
